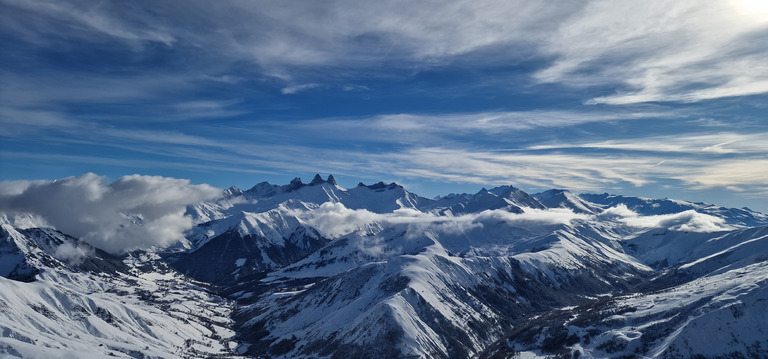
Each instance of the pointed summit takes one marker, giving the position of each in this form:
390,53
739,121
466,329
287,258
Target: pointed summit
317,180
331,180
233,192
294,185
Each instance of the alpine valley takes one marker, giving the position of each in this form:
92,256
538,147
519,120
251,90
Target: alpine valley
314,270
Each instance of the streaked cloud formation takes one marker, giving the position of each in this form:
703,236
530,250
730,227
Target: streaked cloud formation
665,51
665,102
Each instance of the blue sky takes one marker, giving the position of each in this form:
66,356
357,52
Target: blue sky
650,98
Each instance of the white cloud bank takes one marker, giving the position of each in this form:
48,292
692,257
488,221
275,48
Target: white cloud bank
132,212
334,220
142,211
687,221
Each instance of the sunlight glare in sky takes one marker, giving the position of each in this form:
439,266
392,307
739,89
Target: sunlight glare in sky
755,6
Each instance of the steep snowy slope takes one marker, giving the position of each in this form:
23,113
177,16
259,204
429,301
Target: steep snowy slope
254,231
79,302
504,197
86,316
710,301
437,278
14,263
431,291
647,206
558,198
718,316
26,252
316,270
664,248
246,244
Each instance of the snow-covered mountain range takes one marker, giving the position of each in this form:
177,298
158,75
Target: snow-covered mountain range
316,270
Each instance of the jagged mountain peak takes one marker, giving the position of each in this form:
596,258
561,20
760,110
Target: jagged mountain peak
509,198
316,180
375,195
232,192
294,184
379,197
331,180
561,198
266,189
382,272
381,185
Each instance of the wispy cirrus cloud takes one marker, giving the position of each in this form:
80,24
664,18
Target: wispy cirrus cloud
425,147
203,165
547,170
715,143
579,171
461,91
85,21
576,171
46,90
439,128
680,51
290,90
666,51
205,109
23,121
280,38
742,175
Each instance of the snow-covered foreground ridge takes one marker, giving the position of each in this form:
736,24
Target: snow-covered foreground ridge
316,270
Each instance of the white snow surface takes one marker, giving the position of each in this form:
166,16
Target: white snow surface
713,316
431,278
74,315
146,310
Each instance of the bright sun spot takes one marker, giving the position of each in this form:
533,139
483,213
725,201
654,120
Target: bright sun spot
756,6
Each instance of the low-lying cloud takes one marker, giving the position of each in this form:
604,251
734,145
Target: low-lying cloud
335,220
689,221
141,211
132,212
72,253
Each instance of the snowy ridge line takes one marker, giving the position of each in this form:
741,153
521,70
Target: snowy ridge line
317,270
